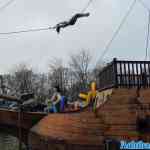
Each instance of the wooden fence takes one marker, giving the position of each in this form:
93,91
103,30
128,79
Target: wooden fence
126,74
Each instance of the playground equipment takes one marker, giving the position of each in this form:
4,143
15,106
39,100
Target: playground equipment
90,96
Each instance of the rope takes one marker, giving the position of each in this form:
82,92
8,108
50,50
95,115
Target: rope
147,36
28,30
85,8
144,5
6,5
106,49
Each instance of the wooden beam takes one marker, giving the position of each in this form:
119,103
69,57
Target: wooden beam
10,98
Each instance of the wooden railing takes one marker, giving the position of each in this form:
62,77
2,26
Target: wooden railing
126,74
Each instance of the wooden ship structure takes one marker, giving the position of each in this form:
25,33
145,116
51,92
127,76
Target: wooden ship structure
120,111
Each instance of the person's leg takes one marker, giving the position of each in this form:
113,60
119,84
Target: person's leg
75,17
58,29
62,104
82,15
62,25
54,109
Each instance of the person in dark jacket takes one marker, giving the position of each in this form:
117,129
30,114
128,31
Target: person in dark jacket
71,22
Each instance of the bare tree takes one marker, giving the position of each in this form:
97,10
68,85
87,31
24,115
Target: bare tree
96,71
41,86
58,74
80,67
22,78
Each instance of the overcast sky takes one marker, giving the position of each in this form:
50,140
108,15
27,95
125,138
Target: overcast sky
91,33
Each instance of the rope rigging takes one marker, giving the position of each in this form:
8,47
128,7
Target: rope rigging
106,49
144,5
148,30
147,37
28,30
74,19
85,8
6,5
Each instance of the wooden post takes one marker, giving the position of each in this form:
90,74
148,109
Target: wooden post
129,76
133,75
19,102
125,74
137,78
19,126
148,75
121,75
115,72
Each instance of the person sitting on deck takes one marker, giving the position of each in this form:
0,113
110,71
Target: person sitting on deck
53,104
71,22
78,104
63,103
49,106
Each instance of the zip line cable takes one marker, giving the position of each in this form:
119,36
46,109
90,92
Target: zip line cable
6,5
147,54
106,49
28,30
144,5
147,37
88,4
38,29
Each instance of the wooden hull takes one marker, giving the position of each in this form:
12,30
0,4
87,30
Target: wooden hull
116,119
28,119
72,131
9,122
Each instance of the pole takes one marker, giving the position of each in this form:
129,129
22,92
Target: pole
19,102
20,111
115,73
19,126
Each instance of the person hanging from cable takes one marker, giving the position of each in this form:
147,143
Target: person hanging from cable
71,22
